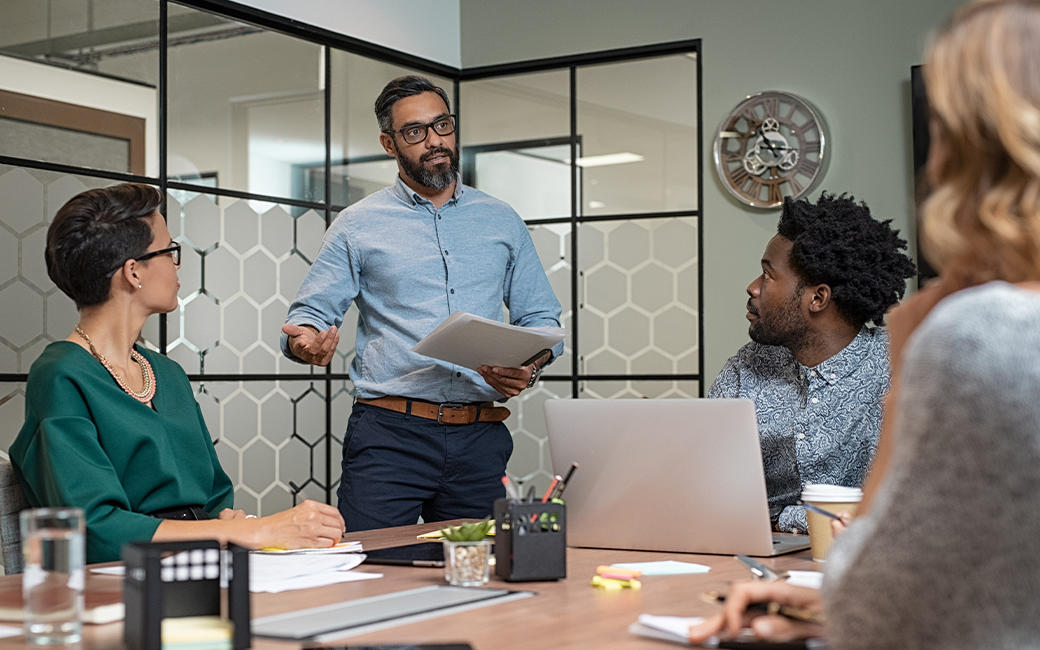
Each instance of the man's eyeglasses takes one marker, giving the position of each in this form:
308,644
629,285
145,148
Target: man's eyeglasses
416,133
174,251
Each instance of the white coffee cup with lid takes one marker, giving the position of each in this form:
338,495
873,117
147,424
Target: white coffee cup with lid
832,498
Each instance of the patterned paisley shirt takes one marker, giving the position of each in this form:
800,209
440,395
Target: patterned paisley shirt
817,425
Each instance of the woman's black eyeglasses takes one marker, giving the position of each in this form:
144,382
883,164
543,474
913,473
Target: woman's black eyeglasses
416,133
174,251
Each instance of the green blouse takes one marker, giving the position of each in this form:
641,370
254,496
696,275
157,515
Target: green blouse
87,443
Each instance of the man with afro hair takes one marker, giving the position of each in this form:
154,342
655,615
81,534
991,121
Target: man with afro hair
815,370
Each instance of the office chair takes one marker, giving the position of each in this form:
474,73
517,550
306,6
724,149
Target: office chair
12,502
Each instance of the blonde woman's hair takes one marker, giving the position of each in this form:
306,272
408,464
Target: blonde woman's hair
982,74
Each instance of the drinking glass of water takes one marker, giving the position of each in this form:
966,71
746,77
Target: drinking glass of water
52,582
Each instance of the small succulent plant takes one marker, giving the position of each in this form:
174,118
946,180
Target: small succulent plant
468,532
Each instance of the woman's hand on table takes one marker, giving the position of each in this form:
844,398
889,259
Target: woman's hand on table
228,514
735,617
309,525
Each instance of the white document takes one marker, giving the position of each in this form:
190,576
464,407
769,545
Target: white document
276,573
811,579
341,547
663,567
471,341
668,628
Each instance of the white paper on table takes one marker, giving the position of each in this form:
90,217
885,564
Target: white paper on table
810,579
664,568
472,341
668,628
341,547
276,573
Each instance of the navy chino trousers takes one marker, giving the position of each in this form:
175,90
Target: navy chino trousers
397,467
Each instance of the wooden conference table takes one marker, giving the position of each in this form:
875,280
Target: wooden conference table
564,614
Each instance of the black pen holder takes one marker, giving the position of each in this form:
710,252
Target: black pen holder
189,585
530,541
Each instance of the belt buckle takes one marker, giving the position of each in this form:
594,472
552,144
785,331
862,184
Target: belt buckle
440,411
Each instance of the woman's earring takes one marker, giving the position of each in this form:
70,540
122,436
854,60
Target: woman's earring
138,286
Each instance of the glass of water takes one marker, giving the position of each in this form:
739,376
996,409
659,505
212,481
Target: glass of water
52,582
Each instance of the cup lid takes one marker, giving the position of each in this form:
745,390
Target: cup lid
832,493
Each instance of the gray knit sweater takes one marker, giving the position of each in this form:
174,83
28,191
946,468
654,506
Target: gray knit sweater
950,556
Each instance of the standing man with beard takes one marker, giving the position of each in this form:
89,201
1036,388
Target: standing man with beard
425,437
816,373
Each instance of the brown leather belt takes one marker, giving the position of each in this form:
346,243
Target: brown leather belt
446,413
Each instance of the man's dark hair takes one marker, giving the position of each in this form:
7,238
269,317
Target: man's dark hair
96,232
397,90
836,242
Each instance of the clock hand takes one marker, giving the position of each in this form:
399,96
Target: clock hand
769,142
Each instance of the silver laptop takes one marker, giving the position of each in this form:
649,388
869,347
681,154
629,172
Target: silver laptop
664,475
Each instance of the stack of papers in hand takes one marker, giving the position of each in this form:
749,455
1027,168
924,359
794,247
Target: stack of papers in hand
666,628
275,573
472,341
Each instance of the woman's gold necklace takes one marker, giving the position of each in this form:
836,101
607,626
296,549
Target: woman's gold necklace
148,392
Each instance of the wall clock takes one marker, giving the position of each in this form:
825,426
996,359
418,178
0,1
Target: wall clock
770,146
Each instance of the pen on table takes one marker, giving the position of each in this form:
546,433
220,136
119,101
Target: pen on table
820,511
760,571
562,485
510,489
552,488
298,491
773,608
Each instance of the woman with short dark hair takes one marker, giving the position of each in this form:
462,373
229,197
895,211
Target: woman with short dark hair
114,428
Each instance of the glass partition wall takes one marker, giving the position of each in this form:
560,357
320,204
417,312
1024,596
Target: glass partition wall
259,131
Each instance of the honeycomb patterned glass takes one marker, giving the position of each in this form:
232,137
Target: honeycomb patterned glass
638,308
530,463
246,107
12,413
553,243
638,389
33,312
242,263
637,121
266,434
359,164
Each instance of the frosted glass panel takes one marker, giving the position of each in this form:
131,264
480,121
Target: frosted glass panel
241,265
246,107
33,312
637,121
639,296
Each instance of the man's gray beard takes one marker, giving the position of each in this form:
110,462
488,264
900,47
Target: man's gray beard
426,177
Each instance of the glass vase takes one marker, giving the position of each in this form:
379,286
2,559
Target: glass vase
467,564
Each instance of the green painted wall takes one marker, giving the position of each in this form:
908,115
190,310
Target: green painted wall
851,58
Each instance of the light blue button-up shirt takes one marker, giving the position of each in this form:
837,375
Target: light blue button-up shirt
816,425
407,266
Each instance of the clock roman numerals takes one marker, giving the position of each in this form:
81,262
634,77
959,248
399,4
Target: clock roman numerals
771,106
778,135
738,176
806,166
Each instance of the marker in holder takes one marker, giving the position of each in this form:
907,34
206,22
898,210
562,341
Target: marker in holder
530,541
